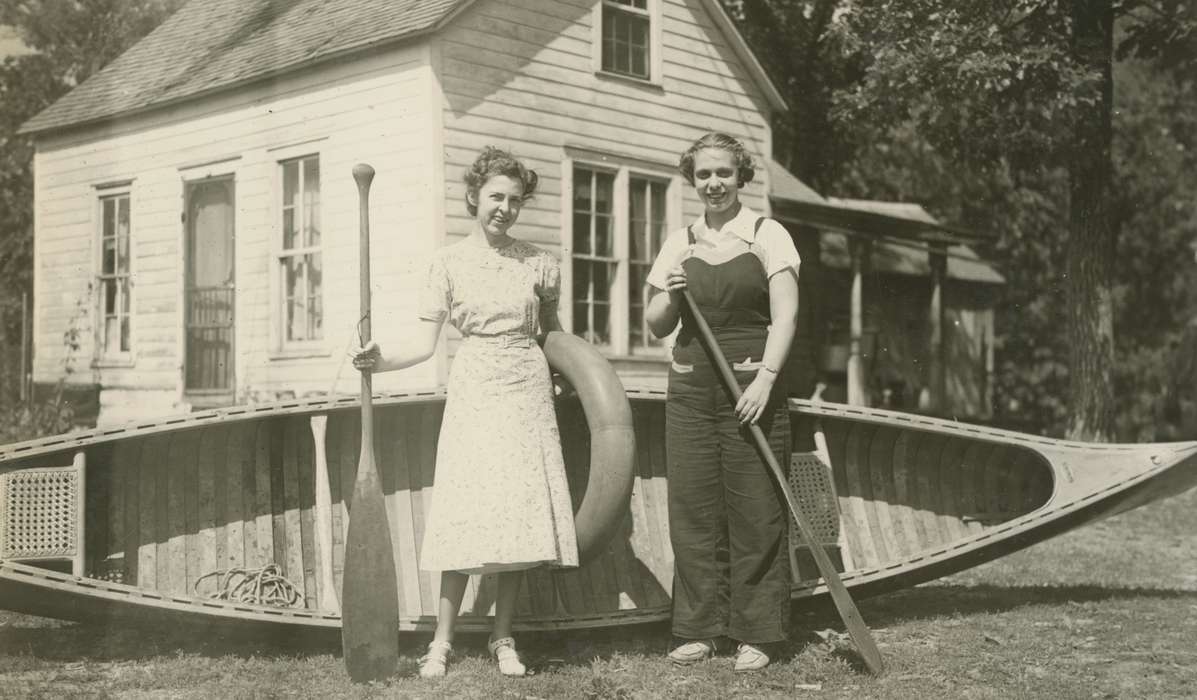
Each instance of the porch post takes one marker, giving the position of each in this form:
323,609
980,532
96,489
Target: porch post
939,269
859,250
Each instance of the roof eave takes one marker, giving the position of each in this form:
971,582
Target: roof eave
870,223
728,27
381,45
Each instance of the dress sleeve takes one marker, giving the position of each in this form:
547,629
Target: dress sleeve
672,252
549,286
779,248
435,297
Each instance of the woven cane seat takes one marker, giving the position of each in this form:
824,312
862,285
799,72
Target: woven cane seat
811,483
41,514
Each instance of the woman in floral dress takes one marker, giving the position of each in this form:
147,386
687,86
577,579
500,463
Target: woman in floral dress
500,501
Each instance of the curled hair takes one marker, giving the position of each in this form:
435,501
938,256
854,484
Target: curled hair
745,168
494,161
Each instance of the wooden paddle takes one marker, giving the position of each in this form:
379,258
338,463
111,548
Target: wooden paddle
369,592
839,594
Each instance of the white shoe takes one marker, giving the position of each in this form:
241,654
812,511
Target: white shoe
433,664
509,659
693,652
751,658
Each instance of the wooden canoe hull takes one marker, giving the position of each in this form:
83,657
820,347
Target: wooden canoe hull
905,499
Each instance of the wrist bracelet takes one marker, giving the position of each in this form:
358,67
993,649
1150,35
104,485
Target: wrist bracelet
768,369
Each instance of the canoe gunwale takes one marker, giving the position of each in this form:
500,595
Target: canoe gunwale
149,607
1088,499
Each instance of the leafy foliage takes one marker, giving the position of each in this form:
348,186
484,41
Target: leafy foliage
969,107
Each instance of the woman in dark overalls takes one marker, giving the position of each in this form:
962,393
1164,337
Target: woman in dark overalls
727,518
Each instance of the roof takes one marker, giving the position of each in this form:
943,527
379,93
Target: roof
213,45
899,258
784,185
210,45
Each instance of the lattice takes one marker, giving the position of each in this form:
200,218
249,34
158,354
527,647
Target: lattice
810,480
39,511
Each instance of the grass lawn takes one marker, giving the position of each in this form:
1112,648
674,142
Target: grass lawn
1108,611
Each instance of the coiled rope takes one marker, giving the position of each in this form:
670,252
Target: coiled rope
262,586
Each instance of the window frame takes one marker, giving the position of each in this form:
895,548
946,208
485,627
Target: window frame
624,170
281,346
101,356
653,12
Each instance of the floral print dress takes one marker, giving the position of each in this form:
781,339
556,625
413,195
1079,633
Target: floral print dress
500,499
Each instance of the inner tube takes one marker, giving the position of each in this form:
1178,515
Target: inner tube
612,438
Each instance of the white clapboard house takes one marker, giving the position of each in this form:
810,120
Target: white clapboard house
196,219
196,234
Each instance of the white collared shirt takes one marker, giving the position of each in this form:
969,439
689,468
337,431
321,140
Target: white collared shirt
771,243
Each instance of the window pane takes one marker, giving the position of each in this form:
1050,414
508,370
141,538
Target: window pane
658,218
601,333
122,216
604,192
603,273
108,256
608,40
289,229
639,61
125,342
581,233
311,199
108,218
638,218
315,312
582,280
124,295
582,189
290,183
122,253
109,297
603,245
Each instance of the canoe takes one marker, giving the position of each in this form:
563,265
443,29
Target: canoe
896,499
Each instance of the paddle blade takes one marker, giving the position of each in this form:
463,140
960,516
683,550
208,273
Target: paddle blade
370,596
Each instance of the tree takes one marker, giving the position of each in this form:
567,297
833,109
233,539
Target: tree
999,114
1092,231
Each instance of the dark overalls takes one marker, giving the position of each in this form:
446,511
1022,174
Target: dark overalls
727,521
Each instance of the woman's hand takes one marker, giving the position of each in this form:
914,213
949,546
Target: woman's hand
675,279
752,402
365,358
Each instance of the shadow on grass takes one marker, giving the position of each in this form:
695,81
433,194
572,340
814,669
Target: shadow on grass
545,651
949,599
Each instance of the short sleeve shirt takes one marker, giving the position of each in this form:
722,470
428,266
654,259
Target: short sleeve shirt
771,243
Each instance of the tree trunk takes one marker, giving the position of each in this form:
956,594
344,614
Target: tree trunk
1092,234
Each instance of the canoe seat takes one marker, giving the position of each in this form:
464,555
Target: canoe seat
814,489
41,514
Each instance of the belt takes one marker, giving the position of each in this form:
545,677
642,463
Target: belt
505,340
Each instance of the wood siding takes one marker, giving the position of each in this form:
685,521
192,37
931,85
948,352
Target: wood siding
372,109
534,90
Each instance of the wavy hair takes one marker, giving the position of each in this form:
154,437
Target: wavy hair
745,168
494,161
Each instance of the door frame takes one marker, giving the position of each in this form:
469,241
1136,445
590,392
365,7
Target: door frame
190,175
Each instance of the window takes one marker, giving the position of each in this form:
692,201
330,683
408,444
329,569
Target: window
627,38
299,258
114,341
619,219
647,229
